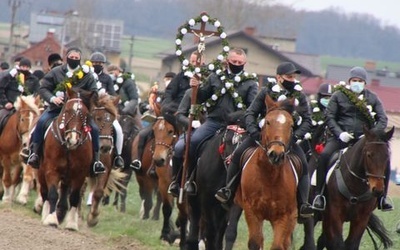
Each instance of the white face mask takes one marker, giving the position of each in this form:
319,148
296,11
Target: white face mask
357,87
324,102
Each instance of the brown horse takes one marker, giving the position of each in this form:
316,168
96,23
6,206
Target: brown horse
352,192
67,159
104,114
15,134
267,189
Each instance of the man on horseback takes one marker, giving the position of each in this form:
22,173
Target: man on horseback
346,116
173,95
105,84
48,85
239,94
286,80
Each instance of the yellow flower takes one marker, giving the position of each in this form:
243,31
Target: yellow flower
68,84
89,63
79,74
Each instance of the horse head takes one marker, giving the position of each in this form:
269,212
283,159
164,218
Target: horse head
277,129
375,157
165,136
72,122
27,108
104,115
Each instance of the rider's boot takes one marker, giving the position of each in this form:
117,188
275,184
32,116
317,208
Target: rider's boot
385,203
98,166
224,194
173,188
34,159
303,189
319,202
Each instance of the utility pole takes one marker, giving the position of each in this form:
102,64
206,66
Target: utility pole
14,4
131,53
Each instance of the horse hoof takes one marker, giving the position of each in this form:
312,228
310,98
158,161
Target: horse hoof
22,200
92,220
51,220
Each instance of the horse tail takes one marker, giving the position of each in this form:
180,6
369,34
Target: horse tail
115,182
376,227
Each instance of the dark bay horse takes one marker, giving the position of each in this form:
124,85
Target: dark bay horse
268,185
208,219
67,159
352,192
14,135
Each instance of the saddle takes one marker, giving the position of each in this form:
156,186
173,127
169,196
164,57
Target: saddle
4,116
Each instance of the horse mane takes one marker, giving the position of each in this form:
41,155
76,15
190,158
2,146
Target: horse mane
108,102
89,98
168,112
30,101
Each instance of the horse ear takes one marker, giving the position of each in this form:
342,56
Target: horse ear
389,134
269,102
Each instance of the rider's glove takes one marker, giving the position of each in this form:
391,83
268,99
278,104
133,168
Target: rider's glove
345,137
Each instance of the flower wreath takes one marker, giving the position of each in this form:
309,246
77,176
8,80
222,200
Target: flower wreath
279,94
229,86
358,100
317,116
216,64
122,78
72,78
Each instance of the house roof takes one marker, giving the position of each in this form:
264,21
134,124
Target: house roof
230,35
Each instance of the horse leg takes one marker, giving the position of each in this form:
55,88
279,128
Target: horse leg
74,198
256,239
309,242
157,207
49,207
62,205
181,223
333,230
93,217
146,194
192,241
357,228
283,229
7,196
27,180
216,218
231,231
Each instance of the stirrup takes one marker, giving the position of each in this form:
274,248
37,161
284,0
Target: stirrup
98,167
223,195
136,165
191,184
323,199
389,202
24,153
120,159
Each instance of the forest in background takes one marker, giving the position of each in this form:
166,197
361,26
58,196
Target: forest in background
329,32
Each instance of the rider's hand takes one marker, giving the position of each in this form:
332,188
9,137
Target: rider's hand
13,72
57,100
196,124
345,137
9,105
194,82
307,136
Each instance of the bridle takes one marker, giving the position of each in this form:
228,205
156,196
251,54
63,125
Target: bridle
170,147
106,121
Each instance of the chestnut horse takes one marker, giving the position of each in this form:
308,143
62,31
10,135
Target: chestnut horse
268,185
15,134
353,190
67,159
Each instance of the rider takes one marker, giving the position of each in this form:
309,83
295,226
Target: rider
173,95
238,94
105,83
346,122
48,85
286,80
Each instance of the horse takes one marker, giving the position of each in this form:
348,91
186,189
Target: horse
267,189
352,192
208,218
130,130
67,159
15,134
103,115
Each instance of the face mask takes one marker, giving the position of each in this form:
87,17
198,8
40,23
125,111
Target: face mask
167,83
288,85
357,87
113,77
72,63
324,102
235,69
25,72
98,68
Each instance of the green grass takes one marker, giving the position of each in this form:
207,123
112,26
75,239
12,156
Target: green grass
350,62
119,227
145,47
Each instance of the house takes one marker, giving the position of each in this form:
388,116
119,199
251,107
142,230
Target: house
262,58
39,52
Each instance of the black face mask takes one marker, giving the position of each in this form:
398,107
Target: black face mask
72,63
25,72
235,69
98,68
288,85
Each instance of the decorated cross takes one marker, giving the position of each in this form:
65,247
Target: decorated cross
196,70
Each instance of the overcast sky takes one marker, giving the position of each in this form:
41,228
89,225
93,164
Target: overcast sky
387,11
